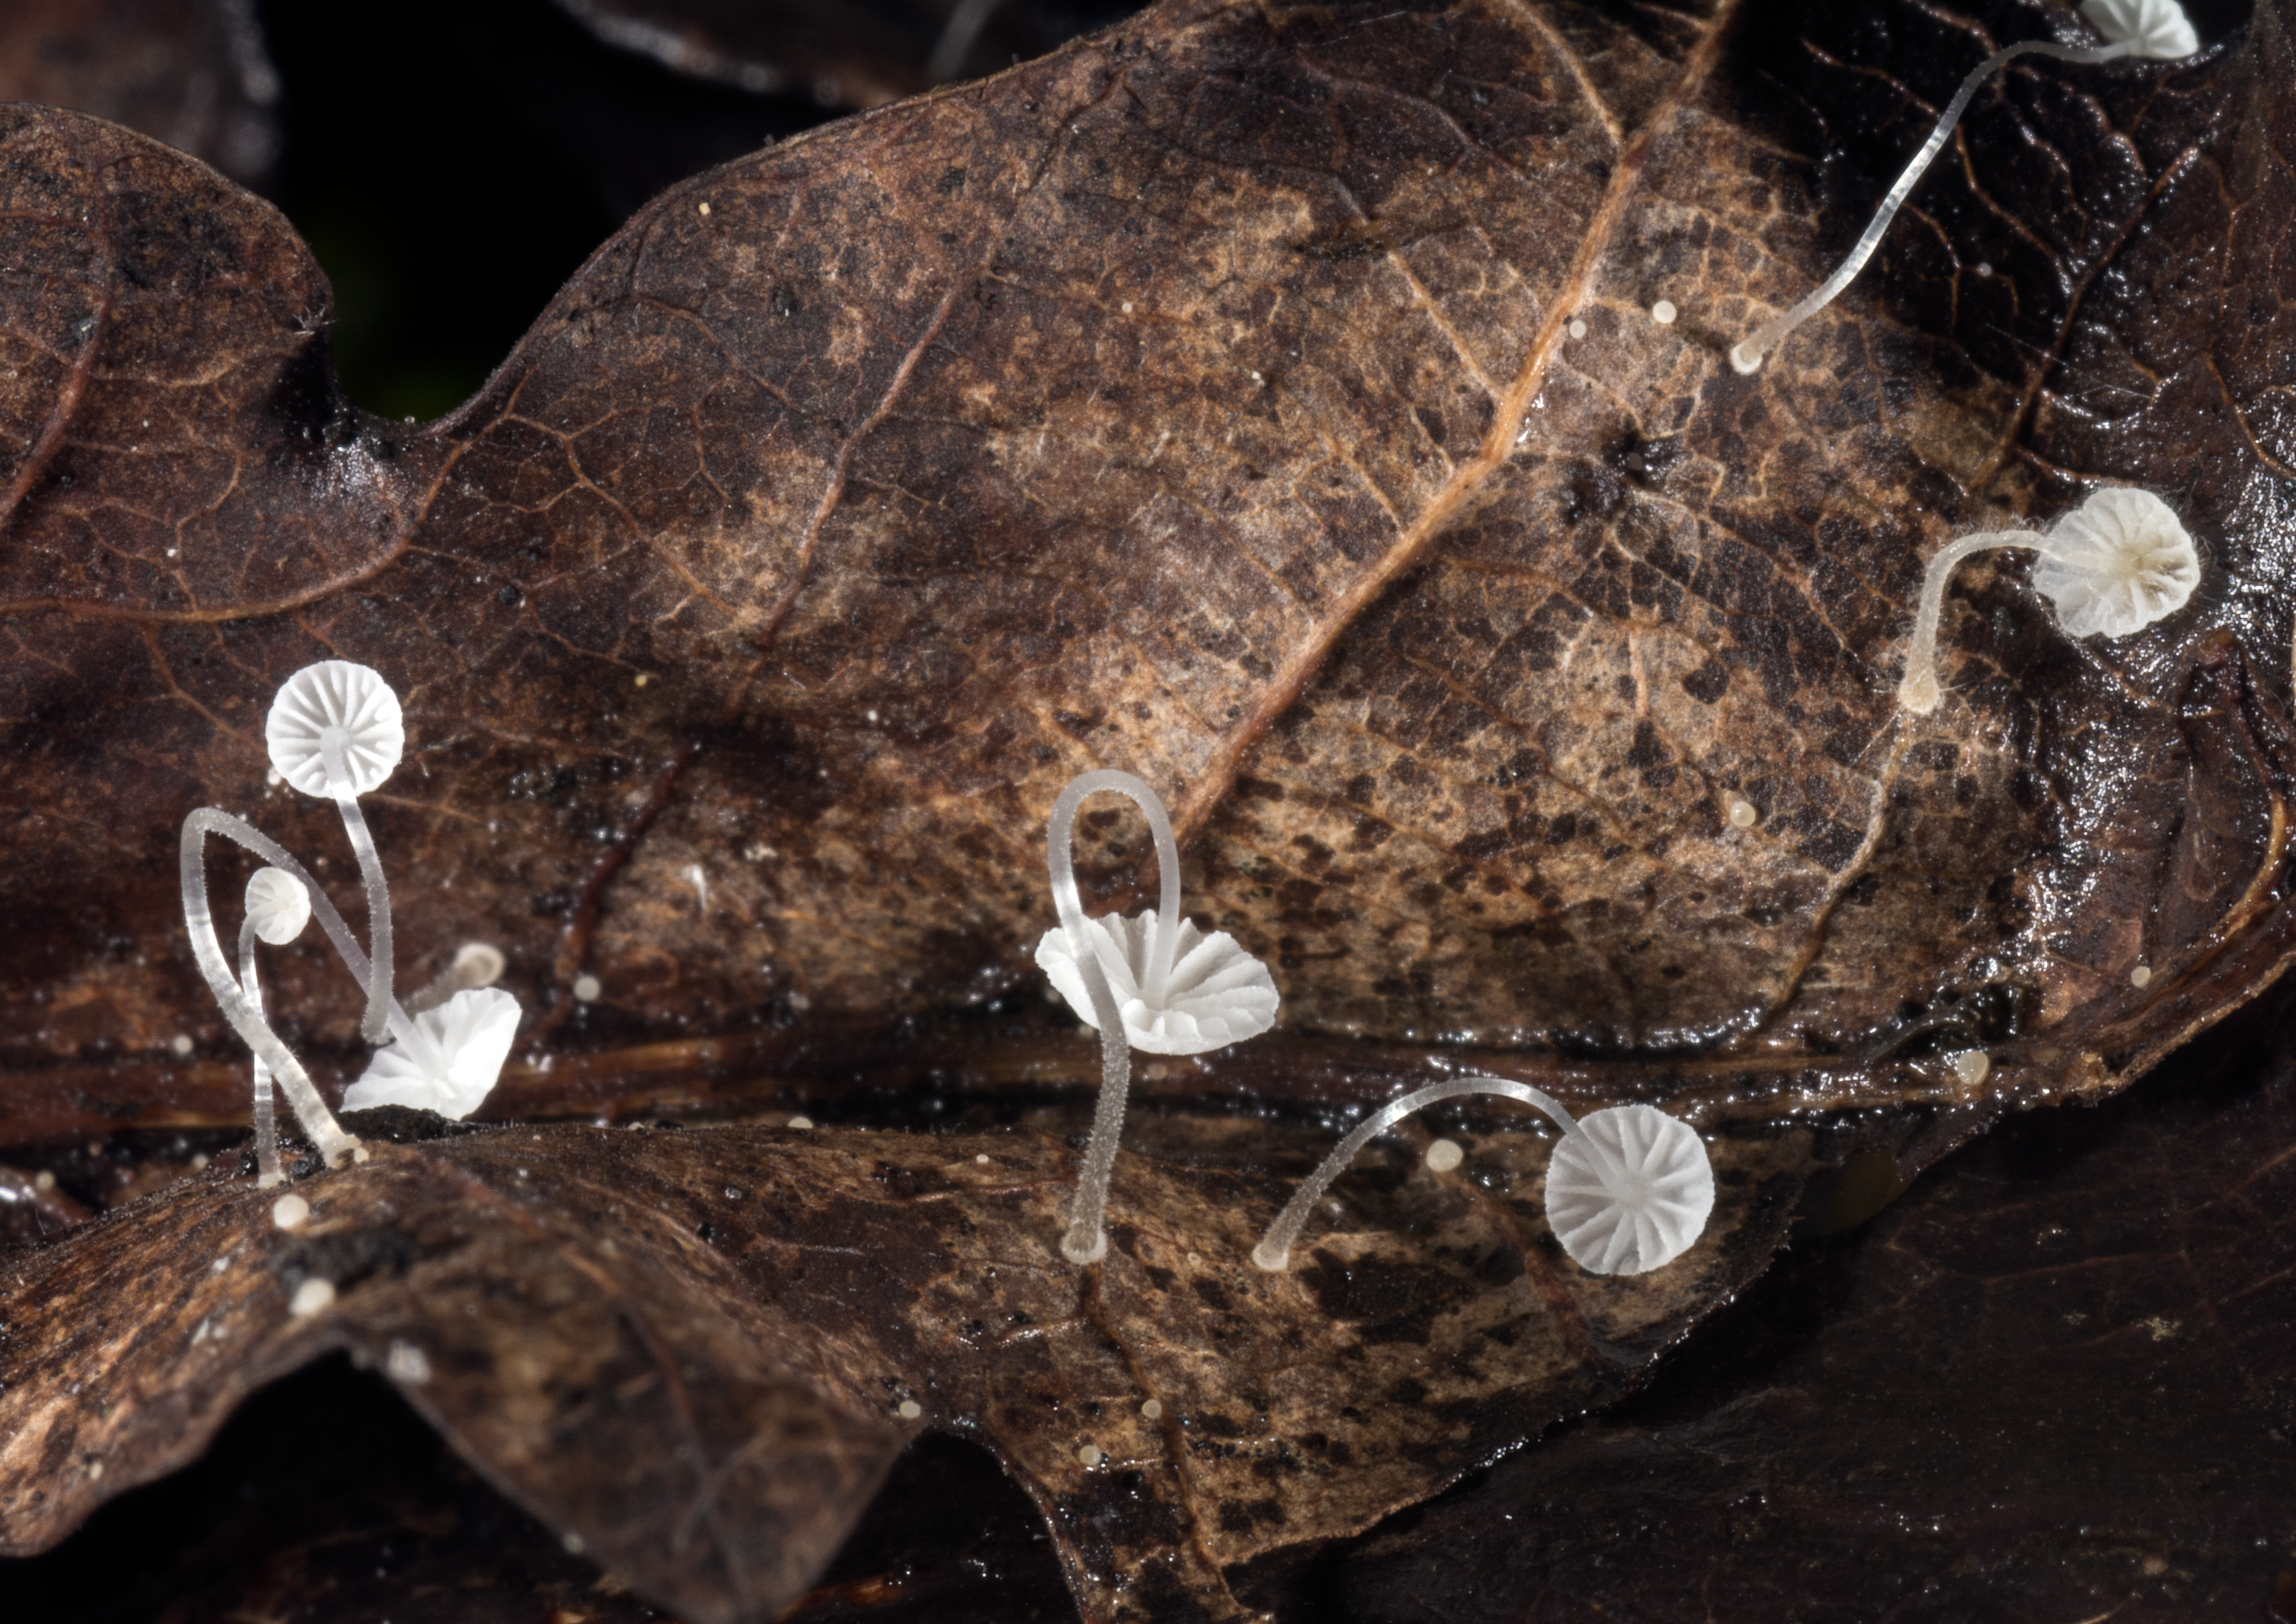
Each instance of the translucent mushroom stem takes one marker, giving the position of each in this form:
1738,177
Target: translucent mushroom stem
245,1017
1749,353
1086,1241
332,744
1917,690
1273,1252
269,1171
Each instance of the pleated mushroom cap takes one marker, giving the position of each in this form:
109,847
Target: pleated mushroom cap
278,907
1216,995
1646,1207
2158,28
2116,563
335,694
451,1062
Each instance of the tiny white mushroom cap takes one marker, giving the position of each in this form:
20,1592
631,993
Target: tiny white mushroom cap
335,694
1643,1211
2158,28
1216,995
278,907
2116,563
449,1061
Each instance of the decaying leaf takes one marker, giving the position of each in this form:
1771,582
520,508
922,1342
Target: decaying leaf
698,1351
1320,410
2052,1383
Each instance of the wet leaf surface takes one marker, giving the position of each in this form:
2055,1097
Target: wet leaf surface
2053,1382
1271,401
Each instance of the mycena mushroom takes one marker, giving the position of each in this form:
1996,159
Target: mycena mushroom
2113,565
1154,982
1629,1188
335,730
278,907
2154,28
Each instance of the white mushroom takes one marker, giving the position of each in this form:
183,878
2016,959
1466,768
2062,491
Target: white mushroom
2154,28
445,1059
278,907
2113,565
1153,982
335,730
1628,1189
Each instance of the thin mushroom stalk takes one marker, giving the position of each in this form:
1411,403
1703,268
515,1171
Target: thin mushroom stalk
278,907
1154,982
2114,565
2153,28
1628,1189
245,1016
335,730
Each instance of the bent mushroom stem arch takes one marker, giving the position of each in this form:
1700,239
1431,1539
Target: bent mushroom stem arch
269,1171
1086,1240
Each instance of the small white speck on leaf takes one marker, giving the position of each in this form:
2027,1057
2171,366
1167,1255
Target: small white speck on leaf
1984,270
198,1162
801,1122
180,1045
909,1409
1663,313
704,209
289,1210
1578,328
2141,976
405,1362
573,1544
982,1159
1443,1155
641,679
586,989
1973,1067
44,1181
312,1297
1743,815
1088,1454
1153,1410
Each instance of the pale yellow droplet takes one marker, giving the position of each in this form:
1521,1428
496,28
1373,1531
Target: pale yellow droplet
1663,313
44,1181
1973,1066
1153,1410
1578,328
908,1410
180,1045
705,210
982,1159
1743,815
801,1122
1443,1155
311,1297
289,1212
2140,975
586,989
1088,1454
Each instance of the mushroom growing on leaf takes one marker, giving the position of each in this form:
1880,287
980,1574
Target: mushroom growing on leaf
1154,982
278,907
1629,1188
445,1059
2113,565
335,730
2154,28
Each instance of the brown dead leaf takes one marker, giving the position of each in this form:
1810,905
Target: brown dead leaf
691,1349
1268,401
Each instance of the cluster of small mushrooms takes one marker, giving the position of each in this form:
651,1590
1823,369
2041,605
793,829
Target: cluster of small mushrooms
1629,1188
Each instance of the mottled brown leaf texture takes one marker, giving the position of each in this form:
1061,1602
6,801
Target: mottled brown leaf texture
1320,410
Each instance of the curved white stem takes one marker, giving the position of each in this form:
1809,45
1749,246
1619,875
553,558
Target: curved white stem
1086,1241
1748,354
1273,1252
246,1018
1917,689
332,742
268,1172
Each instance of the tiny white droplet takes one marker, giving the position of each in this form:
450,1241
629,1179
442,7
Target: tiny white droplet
218,1265
982,1159
1128,307
180,1045
1743,815
1153,1410
872,715
1578,328
95,1468
909,1409
405,1363
1983,269
289,1210
198,1161
1443,1155
1663,313
312,1297
44,1181
360,1156
798,1003
801,1122
641,679
705,211
1971,1066
2140,975
586,989
1088,1454
573,1544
